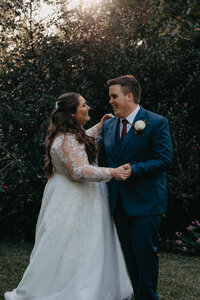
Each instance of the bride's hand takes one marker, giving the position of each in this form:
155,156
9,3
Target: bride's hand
122,172
106,117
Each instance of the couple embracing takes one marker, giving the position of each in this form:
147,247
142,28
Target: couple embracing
79,252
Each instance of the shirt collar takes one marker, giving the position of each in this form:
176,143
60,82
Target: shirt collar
130,118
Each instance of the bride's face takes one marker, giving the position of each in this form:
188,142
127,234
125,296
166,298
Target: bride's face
81,114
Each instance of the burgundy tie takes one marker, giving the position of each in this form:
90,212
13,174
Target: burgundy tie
124,129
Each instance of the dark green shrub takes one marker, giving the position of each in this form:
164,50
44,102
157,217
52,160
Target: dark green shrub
157,41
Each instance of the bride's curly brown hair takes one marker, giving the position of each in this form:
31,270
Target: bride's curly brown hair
62,121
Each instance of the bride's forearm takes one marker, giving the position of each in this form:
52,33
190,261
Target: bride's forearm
104,118
113,172
93,131
96,129
99,126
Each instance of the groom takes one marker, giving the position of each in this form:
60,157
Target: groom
141,138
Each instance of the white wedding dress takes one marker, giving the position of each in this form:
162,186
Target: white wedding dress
77,255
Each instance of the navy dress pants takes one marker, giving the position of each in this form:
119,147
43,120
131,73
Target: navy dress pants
138,238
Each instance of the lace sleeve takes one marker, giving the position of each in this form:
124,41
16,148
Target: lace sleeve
75,161
94,132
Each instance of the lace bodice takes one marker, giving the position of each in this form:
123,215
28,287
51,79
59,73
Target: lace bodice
70,158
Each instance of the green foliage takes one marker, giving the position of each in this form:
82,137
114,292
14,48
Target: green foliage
156,41
172,84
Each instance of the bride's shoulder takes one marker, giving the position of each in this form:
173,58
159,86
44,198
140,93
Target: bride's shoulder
69,140
66,138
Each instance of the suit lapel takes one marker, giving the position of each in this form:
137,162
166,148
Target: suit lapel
131,133
140,115
113,136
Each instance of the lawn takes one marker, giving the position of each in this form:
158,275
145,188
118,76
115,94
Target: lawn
179,275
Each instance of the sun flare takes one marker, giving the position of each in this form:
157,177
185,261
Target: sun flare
84,3
47,12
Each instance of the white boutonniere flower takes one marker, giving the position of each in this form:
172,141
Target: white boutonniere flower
139,126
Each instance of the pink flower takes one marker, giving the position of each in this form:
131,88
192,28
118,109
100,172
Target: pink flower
185,104
198,240
184,248
190,228
144,17
178,233
4,186
197,222
179,242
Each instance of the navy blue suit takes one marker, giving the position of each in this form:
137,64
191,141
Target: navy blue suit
138,203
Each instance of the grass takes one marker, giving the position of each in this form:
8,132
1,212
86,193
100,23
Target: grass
14,258
179,277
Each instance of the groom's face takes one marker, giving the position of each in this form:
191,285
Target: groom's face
120,102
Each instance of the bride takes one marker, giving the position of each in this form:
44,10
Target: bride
76,255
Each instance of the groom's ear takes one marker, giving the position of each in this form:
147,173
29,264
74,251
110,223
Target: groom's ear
130,96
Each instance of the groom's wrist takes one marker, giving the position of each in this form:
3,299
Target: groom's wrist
133,170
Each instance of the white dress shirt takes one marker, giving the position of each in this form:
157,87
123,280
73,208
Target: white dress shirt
130,118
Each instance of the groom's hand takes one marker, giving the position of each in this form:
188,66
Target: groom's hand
123,172
127,168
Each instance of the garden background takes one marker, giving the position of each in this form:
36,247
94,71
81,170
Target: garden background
78,49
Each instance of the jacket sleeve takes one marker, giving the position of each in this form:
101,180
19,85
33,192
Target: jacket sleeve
161,151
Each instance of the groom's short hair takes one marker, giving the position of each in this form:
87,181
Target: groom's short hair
129,84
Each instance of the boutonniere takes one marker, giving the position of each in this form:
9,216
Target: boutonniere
139,126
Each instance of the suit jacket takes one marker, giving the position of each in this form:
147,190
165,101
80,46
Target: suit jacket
150,154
